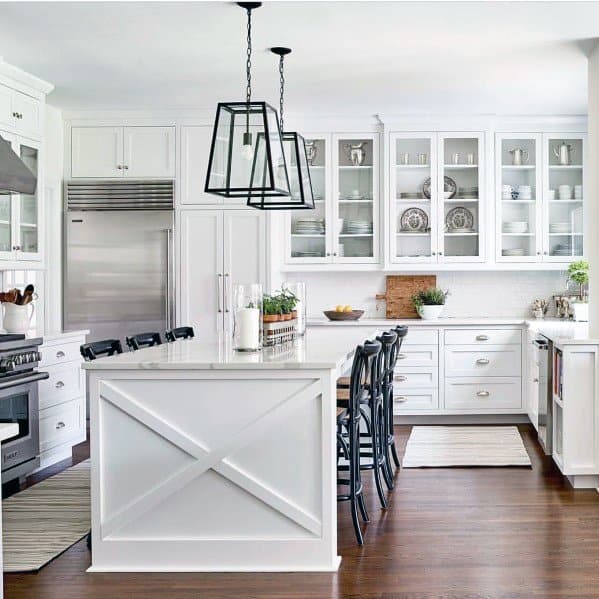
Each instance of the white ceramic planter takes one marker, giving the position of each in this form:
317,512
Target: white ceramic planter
581,311
430,312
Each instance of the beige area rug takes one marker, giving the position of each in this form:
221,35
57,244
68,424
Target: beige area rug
451,446
42,521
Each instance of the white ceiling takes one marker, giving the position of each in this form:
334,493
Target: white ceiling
348,57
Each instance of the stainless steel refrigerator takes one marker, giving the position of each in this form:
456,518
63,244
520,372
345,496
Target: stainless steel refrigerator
118,270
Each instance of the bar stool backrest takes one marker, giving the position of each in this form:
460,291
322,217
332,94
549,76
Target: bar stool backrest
401,331
377,369
389,343
99,349
361,367
143,340
179,333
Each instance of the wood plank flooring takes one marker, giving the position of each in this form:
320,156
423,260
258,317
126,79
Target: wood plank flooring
464,533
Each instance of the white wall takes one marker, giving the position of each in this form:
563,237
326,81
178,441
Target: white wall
496,294
592,193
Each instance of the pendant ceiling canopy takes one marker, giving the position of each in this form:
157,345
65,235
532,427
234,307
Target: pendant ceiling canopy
301,196
247,157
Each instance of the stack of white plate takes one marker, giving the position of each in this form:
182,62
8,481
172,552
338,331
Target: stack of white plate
357,227
458,230
515,226
306,254
524,192
562,228
513,252
468,193
309,226
562,249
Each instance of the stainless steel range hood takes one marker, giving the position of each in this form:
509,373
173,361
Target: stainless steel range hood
15,177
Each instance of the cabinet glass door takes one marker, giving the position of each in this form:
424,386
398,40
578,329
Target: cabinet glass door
308,228
459,192
518,197
28,206
413,185
356,194
6,215
564,194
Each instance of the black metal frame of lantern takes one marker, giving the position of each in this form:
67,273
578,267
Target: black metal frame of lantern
235,125
301,196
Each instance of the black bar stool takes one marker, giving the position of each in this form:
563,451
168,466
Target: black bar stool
348,433
179,333
98,349
401,331
143,340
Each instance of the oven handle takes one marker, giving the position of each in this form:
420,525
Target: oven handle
24,380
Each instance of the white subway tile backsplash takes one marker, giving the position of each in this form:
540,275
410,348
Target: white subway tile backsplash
494,294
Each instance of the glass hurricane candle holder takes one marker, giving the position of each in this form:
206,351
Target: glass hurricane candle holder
247,317
298,289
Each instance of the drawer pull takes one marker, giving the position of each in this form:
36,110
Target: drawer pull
483,393
401,356
535,380
401,378
60,354
59,384
60,425
482,361
482,337
402,398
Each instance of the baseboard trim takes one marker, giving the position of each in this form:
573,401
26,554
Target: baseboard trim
463,419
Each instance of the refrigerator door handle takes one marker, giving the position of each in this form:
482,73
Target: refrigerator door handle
219,278
227,292
169,280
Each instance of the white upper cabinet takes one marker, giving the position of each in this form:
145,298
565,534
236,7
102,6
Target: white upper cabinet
20,113
437,194
344,226
97,152
133,152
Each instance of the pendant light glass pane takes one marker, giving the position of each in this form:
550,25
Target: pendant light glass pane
246,150
301,196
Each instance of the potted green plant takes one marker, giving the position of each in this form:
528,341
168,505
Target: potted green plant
270,309
578,272
288,302
429,303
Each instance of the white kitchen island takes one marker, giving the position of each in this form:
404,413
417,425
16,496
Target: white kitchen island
206,459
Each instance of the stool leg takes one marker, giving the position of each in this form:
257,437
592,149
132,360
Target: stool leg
362,506
391,435
376,432
354,477
387,471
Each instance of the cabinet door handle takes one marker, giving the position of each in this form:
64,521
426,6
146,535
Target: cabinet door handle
59,384
401,398
328,254
535,380
219,278
15,114
60,354
440,253
401,378
433,253
227,292
334,253
126,167
483,393
60,425
119,167
401,356
482,337
482,361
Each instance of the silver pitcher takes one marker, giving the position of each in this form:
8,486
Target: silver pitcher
311,150
519,156
564,153
356,153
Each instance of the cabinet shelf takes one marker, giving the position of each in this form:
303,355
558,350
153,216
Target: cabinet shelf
569,167
316,235
456,167
355,201
517,234
410,166
565,234
355,168
29,225
518,167
462,201
412,200
355,234
565,201
516,202
473,234
406,234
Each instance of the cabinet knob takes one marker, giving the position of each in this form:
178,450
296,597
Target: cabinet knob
60,425
119,167
535,380
538,253
16,247
15,114
60,354
126,167
433,253
59,384
328,254
440,253
545,253
20,115
334,253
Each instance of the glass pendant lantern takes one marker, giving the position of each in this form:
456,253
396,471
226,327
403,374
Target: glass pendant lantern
296,159
246,155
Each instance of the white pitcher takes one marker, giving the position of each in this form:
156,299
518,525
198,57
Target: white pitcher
17,319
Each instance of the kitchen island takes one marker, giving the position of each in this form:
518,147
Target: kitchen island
207,459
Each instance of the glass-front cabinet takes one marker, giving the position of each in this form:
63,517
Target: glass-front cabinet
436,186
539,197
343,227
20,213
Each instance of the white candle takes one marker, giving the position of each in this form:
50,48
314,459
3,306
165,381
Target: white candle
248,328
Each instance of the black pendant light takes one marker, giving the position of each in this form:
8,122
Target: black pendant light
246,155
294,146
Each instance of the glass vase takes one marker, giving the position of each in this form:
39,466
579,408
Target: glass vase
298,288
247,317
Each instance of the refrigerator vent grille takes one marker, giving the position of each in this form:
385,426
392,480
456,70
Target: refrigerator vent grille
120,195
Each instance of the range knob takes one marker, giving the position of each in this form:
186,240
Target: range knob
18,359
6,365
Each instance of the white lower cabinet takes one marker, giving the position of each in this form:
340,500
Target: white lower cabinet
62,409
479,394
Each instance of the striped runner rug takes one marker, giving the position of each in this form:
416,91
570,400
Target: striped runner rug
454,446
44,520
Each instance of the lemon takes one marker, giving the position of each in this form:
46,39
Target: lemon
347,308
338,308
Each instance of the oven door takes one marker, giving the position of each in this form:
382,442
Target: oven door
19,403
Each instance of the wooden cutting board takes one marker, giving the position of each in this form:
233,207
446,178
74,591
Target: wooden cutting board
400,289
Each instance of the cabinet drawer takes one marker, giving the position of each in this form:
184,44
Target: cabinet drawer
415,399
482,336
64,384
484,393
466,360
417,355
58,354
418,336
415,377
60,423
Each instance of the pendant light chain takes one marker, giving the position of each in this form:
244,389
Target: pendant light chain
248,64
282,90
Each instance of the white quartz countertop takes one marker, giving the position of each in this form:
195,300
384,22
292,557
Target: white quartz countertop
8,430
318,349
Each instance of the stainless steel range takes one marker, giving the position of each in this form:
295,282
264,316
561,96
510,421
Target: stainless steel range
19,403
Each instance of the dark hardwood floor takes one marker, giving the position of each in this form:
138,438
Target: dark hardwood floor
459,533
